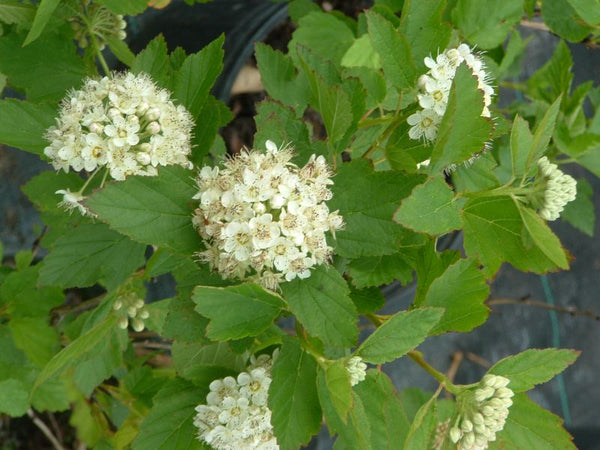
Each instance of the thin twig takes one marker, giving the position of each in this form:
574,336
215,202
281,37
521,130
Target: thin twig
83,306
153,345
561,309
540,26
457,358
44,429
478,360
55,426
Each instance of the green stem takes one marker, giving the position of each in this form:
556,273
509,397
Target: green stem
440,377
88,181
307,346
386,134
565,161
516,86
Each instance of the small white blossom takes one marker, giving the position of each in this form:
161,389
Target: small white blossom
482,413
434,88
263,219
236,414
124,123
560,189
72,201
357,369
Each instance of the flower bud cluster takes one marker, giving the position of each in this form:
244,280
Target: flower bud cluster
357,369
125,123
264,219
434,88
236,415
483,413
98,21
134,311
560,189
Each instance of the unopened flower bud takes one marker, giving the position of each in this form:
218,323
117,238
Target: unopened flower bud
117,305
137,324
153,114
123,322
455,434
143,158
144,314
153,128
132,311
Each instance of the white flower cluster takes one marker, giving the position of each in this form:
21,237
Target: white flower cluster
236,415
125,123
357,369
95,19
560,189
483,414
435,87
134,309
264,219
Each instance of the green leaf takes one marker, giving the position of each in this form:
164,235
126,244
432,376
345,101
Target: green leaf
487,27
202,363
431,208
23,124
388,422
35,337
279,124
554,78
462,291
336,380
379,270
192,83
361,54
280,78
532,367
293,400
530,426
89,254
543,133
121,50
423,426
105,358
154,60
183,322
13,398
430,265
562,19
151,210
355,433
588,10
45,69
79,348
543,237
128,7
14,11
213,115
521,141
42,16
169,425
367,200
237,311
494,232
399,334
325,34
462,132
580,212
321,303
394,50
333,103
425,32
367,300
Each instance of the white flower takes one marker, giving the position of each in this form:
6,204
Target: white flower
559,189
263,219
237,415
106,124
434,87
356,368
482,413
71,201
424,124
